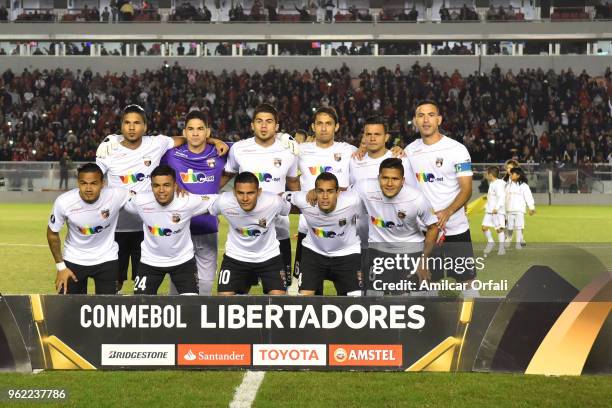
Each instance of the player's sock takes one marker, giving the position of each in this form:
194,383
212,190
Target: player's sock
489,235
285,250
502,241
519,238
509,237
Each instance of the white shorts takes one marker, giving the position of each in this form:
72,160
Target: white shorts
282,227
516,220
494,220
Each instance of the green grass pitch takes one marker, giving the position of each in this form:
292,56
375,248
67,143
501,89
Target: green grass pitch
573,240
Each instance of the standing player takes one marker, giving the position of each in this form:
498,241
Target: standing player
167,246
331,249
495,211
199,168
128,164
395,212
443,172
518,199
274,164
90,251
251,249
322,155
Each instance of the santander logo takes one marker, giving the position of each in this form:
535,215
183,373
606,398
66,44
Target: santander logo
189,356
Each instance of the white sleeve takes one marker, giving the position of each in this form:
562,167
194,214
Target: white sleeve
409,178
284,206
57,218
293,169
102,164
167,143
122,195
425,212
298,198
215,206
231,165
528,196
131,206
352,171
202,204
463,162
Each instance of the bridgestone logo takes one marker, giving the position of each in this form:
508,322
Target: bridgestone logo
138,354
127,355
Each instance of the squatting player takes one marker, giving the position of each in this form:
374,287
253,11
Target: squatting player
273,163
199,168
167,246
443,171
331,249
251,249
90,251
128,163
396,212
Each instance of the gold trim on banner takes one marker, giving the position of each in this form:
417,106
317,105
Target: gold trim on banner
568,343
56,354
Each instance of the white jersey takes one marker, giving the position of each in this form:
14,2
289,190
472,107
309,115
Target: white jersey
252,234
436,169
167,238
272,165
334,233
91,227
131,170
496,197
518,197
315,160
395,219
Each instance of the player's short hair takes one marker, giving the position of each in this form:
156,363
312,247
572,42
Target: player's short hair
376,120
522,176
392,163
426,102
300,131
163,170
512,162
266,108
328,110
246,177
493,170
196,114
90,168
134,108
327,176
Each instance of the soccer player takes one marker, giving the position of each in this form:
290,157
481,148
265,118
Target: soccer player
167,246
322,155
495,211
252,249
518,199
273,163
90,251
127,160
331,249
199,168
396,212
443,171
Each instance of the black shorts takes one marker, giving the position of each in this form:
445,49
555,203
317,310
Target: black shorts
380,276
183,276
129,248
104,276
344,271
237,276
455,251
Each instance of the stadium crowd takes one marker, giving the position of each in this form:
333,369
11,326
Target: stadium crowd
532,115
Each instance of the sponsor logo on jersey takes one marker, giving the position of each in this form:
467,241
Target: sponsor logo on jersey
190,177
105,213
246,232
326,234
87,230
132,178
380,223
365,355
211,163
214,354
176,217
289,355
427,177
316,170
137,355
160,231
266,177
439,161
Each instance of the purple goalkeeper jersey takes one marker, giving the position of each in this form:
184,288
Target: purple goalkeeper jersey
198,173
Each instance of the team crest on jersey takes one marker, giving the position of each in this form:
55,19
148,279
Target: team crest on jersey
147,161
439,161
401,214
105,214
211,163
342,222
262,222
278,162
176,217
337,156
